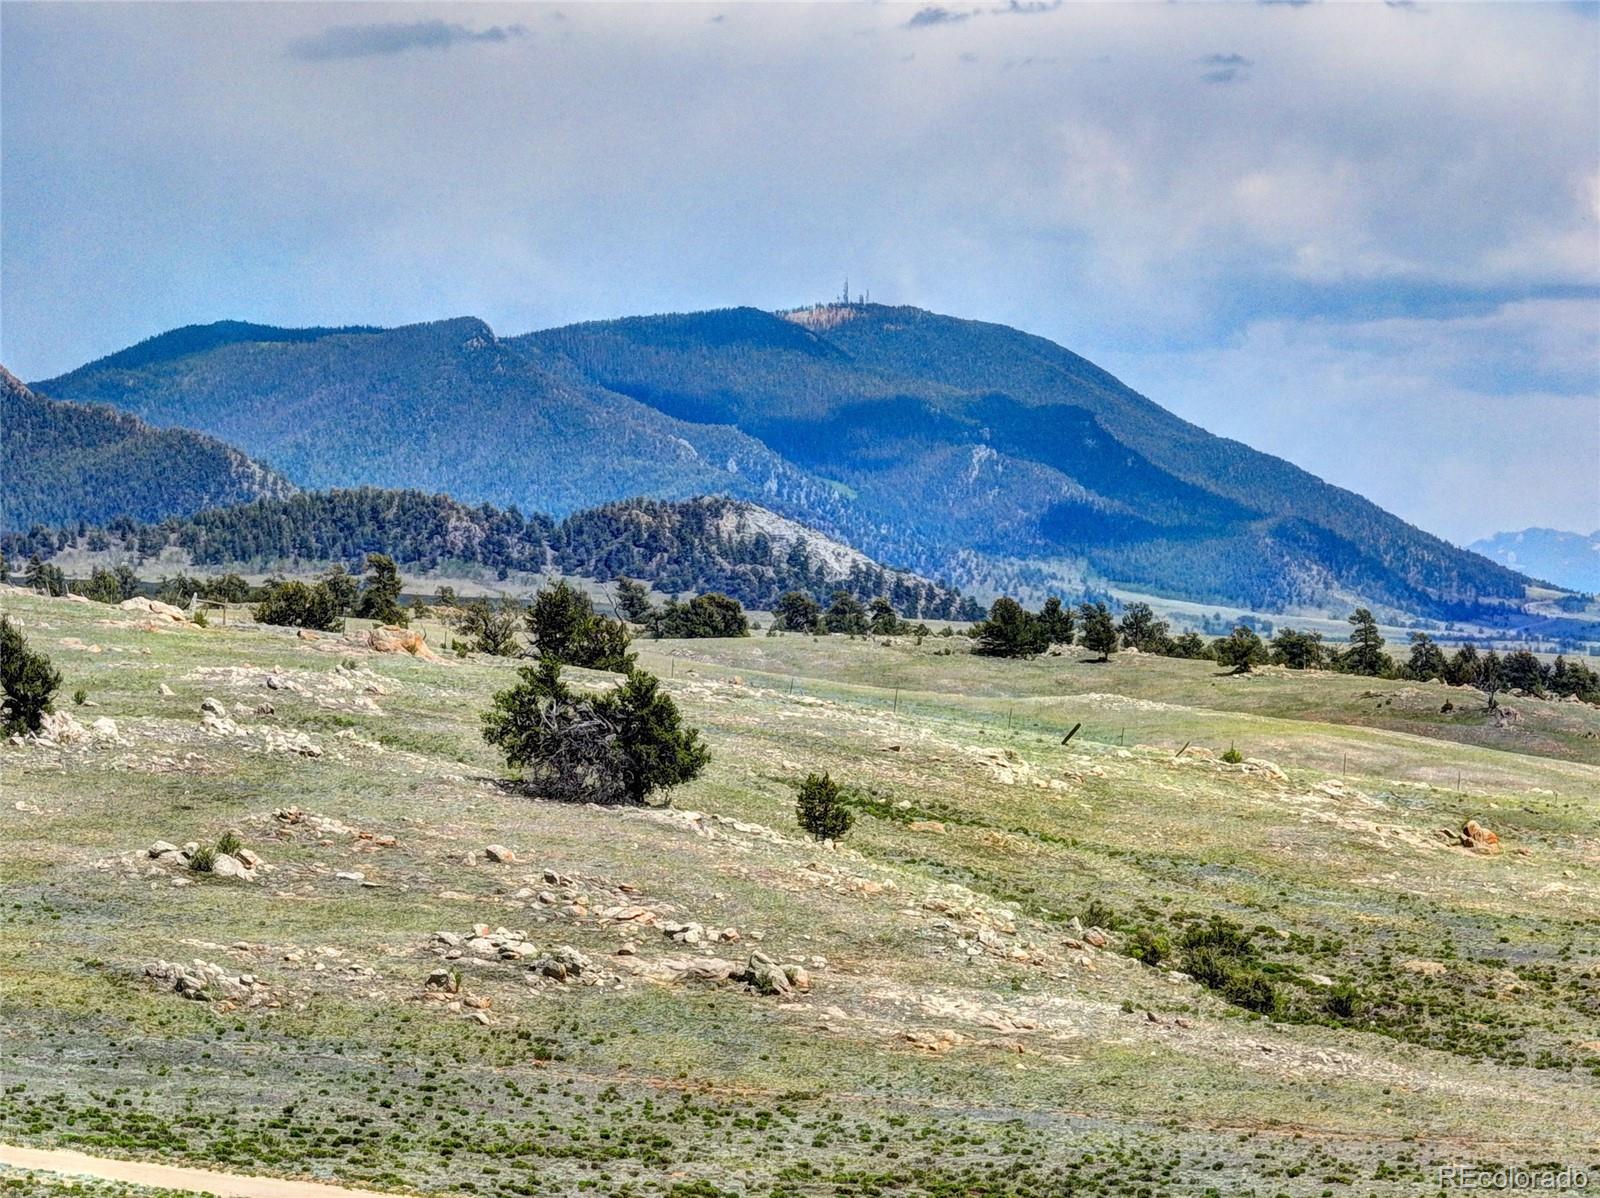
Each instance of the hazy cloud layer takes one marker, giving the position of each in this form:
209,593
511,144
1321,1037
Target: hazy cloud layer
362,41
1371,246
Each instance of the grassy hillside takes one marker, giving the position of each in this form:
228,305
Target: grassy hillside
70,462
960,1035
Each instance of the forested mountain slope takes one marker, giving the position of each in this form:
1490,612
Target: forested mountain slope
692,546
66,462
917,438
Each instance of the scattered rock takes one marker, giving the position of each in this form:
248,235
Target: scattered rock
500,855
1475,836
1428,969
926,825
156,609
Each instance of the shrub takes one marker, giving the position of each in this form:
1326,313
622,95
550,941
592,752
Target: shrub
562,624
1010,631
229,843
80,696
615,748
1220,956
1233,756
203,860
711,615
1149,946
301,605
28,681
492,629
1343,1001
1098,915
1252,990
820,809
201,620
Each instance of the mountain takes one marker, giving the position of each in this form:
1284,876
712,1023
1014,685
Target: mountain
939,444
67,462
1567,559
698,545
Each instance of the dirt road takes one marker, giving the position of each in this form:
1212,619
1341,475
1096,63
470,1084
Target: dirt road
172,1177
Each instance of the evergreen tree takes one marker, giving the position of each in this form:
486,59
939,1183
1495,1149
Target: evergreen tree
633,600
703,616
563,624
1239,650
1524,672
380,592
1190,645
343,589
884,620
1465,667
1298,650
1056,621
1142,631
846,615
798,612
27,679
299,605
618,747
820,809
1427,660
1010,631
1099,634
492,629
1491,677
1365,654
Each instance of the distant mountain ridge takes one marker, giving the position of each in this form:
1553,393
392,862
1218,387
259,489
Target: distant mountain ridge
1567,559
922,440
66,462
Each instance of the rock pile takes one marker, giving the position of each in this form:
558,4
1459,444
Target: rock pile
201,981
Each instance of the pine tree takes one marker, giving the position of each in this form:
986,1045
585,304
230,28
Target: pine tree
1365,654
562,624
380,592
1099,634
1056,621
1239,650
619,747
633,600
27,679
846,615
1142,631
1298,650
820,810
796,611
1010,631
1427,660
882,614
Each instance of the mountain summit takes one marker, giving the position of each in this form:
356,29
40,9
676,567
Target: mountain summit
920,439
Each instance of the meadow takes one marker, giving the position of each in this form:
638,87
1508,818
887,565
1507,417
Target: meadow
995,998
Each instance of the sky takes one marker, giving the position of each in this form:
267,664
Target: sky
1365,237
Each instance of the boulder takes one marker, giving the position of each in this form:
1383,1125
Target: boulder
562,964
161,847
155,609
500,855
1475,836
387,638
228,866
210,706
766,976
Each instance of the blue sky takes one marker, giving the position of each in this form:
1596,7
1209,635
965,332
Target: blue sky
1363,236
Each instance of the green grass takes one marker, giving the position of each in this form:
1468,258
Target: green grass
643,1089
